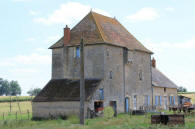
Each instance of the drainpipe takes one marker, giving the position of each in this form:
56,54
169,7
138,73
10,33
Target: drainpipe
124,61
151,82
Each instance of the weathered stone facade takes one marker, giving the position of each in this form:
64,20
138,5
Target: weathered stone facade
111,55
165,94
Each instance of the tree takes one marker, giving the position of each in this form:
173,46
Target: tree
181,89
5,88
15,88
34,92
9,88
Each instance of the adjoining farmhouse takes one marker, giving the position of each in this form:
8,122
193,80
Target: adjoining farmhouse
164,90
118,71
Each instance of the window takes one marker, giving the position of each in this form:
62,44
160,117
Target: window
107,52
164,90
77,52
110,75
147,100
140,75
101,94
160,100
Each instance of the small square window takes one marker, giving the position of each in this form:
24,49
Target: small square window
164,90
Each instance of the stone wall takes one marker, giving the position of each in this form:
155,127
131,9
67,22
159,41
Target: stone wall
55,109
160,91
137,78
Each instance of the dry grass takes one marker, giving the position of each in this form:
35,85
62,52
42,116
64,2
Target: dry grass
24,106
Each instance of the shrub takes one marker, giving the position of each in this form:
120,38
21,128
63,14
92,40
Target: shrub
108,112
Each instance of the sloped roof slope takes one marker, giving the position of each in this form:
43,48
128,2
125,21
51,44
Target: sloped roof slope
66,90
160,80
96,28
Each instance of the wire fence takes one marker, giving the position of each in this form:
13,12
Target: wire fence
24,115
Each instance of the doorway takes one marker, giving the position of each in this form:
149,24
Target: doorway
135,102
98,106
165,102
127,105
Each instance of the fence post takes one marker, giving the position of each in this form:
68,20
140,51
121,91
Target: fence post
28,114
3,116
16,115
10,106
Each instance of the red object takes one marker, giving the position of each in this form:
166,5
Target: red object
66,35
153,63
99,109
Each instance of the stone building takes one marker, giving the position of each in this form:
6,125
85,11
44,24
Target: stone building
164,90
117,70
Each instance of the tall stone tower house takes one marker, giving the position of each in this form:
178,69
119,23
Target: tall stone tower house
117,70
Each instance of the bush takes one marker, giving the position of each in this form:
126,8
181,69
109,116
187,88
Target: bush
108,112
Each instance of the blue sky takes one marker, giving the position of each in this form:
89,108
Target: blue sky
29,27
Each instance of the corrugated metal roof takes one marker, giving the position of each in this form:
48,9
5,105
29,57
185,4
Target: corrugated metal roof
96,28
160,80
66,90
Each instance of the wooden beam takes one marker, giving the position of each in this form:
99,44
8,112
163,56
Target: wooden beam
82,84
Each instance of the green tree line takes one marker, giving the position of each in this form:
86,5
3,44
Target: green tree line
11,88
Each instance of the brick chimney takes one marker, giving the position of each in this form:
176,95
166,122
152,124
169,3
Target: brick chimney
153,63
66,35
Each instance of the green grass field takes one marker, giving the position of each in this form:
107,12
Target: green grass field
122,121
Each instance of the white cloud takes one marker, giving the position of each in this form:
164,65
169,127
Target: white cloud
32,59
33,12
67,13
188,44
170,9
144,14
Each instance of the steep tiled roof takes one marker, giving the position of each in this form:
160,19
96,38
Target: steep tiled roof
66,90
160,80
97,28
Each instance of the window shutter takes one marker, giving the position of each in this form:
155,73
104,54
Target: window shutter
156,100
170,101
173,100
148,100
160,100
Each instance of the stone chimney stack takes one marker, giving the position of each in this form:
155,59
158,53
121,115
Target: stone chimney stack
153,63
66,35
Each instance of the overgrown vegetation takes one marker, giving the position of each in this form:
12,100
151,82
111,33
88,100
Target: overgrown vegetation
34,92
108,112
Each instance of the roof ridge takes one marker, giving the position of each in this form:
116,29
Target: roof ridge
99,29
